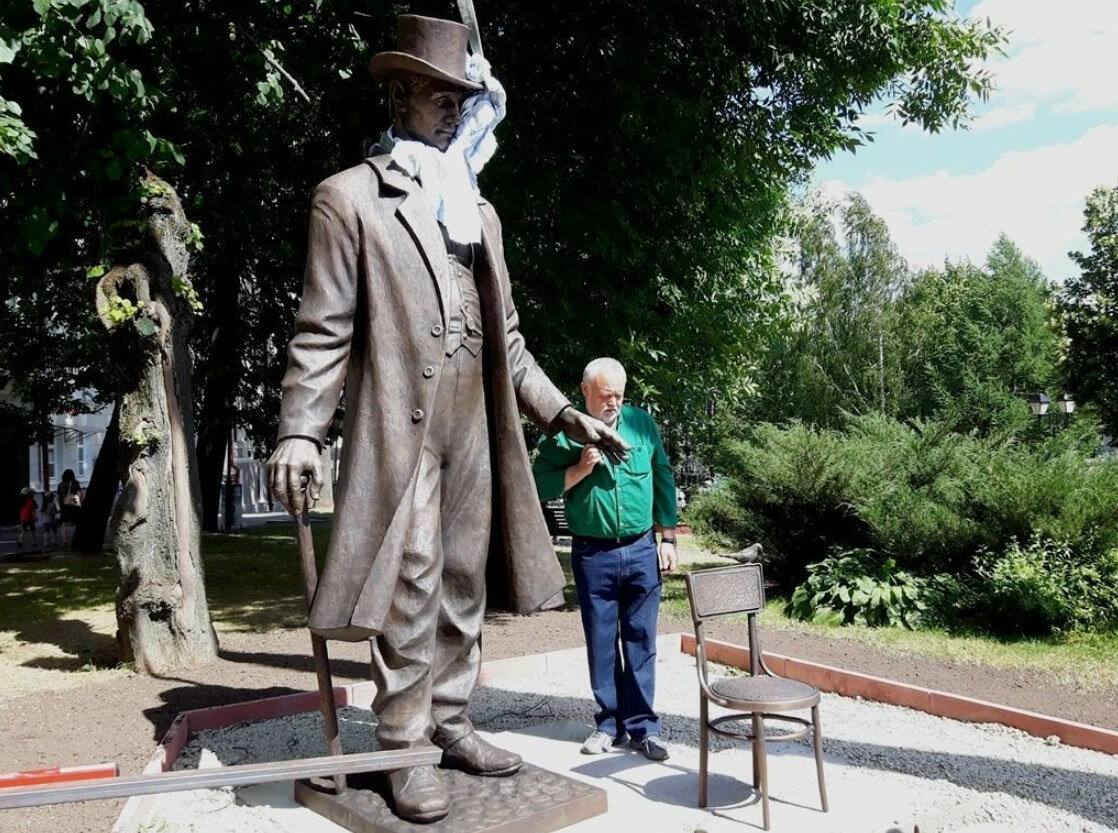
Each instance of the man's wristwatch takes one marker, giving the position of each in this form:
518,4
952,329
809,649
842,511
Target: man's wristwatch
664,540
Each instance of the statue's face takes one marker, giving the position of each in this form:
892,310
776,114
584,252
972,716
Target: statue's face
428,110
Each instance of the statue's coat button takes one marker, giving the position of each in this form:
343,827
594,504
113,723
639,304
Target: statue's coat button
428,371
417,414
437,330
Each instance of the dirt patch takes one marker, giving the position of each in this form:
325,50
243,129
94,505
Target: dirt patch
121,719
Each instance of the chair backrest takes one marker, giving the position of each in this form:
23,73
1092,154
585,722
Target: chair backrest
721,591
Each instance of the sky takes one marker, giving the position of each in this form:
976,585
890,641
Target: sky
1047,136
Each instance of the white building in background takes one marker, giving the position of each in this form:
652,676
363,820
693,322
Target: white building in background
77,440
251,474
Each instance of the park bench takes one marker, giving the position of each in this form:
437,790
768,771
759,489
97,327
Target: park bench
555,515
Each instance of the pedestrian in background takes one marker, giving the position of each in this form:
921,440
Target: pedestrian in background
70,497
49,515
27,516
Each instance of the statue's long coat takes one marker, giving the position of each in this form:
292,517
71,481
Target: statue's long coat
371,319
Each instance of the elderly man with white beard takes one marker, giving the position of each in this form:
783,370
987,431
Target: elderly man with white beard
614,510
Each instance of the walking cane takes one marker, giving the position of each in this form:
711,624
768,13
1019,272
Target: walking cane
318,643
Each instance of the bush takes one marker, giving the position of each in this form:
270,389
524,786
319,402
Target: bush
1039,588
787,488
721,516
859,587
920,493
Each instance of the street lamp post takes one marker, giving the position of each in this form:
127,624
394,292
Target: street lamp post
1066,406
1039,404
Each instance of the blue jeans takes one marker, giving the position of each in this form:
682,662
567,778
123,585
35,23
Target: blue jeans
618,588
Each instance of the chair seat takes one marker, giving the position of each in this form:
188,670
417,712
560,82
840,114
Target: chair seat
763,689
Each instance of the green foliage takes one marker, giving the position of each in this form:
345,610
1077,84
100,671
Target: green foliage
1089,304
154,189
959,344
741,100
720,517
838,357
921,493
859,587
119,309
142,435
1038,588
194,239
972,341
184,288
16,138
74,121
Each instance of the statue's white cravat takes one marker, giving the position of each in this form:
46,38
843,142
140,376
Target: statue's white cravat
450,178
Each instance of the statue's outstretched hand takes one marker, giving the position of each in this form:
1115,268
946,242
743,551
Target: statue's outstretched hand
295,474
586,429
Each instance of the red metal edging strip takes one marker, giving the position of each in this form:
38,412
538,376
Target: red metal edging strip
939,703
58,775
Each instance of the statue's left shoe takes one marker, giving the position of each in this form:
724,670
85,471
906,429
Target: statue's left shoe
477,756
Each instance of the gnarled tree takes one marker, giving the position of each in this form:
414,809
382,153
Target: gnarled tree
146,304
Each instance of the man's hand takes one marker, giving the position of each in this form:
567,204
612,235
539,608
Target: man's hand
668,557
589,458
296,458
585,429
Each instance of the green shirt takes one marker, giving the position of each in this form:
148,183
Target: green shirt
613,501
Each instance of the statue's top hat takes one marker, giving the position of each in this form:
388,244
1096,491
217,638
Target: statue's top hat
426,46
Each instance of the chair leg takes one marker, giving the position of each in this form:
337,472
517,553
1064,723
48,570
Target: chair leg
756,764
817,736
704,740
762,764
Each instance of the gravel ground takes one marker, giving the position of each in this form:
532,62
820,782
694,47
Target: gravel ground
887,766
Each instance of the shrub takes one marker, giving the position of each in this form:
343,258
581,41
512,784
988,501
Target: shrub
720,517
787,488
858,587
1039,588
921,493
1025,589
910,485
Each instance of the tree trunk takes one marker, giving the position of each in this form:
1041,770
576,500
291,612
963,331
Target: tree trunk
97,504
44,460
213,437
162,616
219,401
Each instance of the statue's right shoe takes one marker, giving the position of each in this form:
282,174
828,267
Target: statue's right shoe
419,794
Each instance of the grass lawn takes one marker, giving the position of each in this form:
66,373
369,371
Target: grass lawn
57,624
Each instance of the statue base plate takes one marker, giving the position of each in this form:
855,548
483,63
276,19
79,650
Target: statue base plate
532,801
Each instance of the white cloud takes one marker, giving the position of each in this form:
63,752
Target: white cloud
1063,54
1005,115
1034,196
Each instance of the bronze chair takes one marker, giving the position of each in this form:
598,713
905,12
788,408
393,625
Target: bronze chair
762,695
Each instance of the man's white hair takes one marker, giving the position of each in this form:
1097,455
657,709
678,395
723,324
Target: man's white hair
610,368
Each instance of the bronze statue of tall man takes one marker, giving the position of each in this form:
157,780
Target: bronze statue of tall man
421,330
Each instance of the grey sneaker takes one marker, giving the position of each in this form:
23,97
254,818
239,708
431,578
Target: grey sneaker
651,747
600,742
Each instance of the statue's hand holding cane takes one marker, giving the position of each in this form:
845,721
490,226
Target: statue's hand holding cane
295,474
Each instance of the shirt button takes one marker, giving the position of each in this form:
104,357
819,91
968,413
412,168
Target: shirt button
428,371
437,330
417,415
